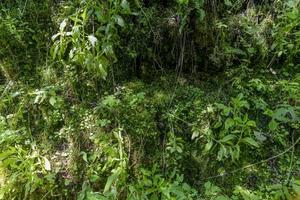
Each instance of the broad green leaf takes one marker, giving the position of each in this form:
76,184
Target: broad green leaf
250,141
227,138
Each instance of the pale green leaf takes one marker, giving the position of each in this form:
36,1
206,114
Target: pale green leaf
47,164
228,3
260,136
92,39
62,25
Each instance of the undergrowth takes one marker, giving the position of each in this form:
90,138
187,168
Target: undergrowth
128,99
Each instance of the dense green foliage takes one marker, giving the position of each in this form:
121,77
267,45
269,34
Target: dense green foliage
140,99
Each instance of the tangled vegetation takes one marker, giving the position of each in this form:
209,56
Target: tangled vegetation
140,99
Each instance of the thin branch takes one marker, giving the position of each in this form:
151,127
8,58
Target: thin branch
260,162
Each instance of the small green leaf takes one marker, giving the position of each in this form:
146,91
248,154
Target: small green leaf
229,123
208,146
92,39
47,164
238,120
201,14
296,186
55,36
236,153
222,153
260,136
125,5
226,111
228,3
110,181
178,149
211,189
227,138
84,15
273,125
244,104
195,134
218,124
84,156
62,25
234,51
183,1
110,101
120,20
220,106
52,101
251,123
269,112
221,198
93,196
